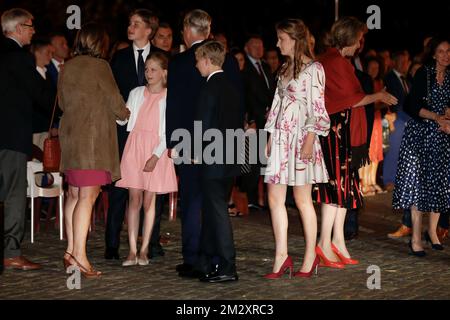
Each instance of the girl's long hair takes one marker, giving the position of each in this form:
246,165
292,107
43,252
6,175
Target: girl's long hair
298,31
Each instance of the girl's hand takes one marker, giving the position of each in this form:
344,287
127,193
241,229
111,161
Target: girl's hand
151,164
128,113
306,153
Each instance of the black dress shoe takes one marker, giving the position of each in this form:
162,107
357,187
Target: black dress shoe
112,253
216,278
434,246
419,254
156,251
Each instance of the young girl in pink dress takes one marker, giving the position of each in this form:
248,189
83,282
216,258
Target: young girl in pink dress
146,168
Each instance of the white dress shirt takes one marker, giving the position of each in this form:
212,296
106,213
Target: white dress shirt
145,53
42,71
57,64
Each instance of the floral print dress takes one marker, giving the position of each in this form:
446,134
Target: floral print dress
297,109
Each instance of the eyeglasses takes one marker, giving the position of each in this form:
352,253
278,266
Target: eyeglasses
27,25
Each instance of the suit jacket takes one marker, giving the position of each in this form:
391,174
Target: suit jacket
258,97
123,66
395,87
42,118
184,83
91,101
53,73
218,107
20,87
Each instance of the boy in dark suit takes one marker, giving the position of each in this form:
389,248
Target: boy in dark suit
218,108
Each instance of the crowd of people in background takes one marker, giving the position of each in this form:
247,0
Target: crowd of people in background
345,122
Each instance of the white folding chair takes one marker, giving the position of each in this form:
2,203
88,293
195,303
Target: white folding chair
34,191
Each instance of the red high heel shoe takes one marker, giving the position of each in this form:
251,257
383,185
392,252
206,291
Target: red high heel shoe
325,262
343,259
314,268
287,264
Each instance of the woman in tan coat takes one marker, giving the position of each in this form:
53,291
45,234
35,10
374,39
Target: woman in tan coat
91,102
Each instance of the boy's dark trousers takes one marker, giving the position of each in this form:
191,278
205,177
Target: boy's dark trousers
216,238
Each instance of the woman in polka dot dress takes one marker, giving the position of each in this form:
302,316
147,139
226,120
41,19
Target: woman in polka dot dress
423,175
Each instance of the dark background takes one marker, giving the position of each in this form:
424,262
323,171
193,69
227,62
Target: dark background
404,24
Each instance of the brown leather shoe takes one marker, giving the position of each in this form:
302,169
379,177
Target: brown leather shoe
442,234
403,231
20,263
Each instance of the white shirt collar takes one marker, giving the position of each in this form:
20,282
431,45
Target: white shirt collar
16,41
213,73
42,71
253,60
398,74
145,53
56,63
146,48
195,42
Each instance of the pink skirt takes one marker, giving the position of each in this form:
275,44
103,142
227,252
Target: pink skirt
87,178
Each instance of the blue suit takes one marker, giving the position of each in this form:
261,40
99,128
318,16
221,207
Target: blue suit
395,87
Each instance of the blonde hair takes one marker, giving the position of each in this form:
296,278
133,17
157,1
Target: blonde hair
13,17
213,50
93,40
345,31
198,21
298,31
163,61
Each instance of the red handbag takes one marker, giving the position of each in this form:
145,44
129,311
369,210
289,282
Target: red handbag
52,149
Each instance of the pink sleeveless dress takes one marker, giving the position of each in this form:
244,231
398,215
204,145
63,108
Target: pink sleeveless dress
141,143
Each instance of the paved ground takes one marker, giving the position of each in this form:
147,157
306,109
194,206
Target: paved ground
402,276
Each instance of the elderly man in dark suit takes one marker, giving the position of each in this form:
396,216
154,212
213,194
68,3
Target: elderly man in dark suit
183,87
21,88
259,85
128,67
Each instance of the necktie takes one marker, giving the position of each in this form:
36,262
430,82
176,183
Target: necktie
405,84
261,72
141,68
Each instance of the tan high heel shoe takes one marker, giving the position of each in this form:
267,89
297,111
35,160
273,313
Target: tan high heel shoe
87,273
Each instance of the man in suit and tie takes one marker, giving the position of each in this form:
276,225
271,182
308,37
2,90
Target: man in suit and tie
21,89
218,108
42,51
60,55
184,83
128,67
398,85
259,85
